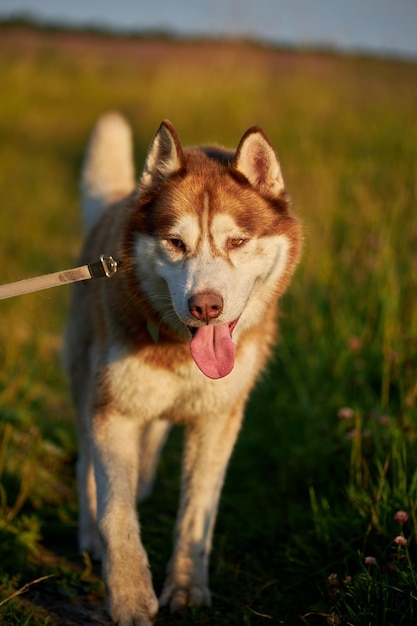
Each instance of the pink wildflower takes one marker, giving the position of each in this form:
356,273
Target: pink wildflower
355,344
401,517
400,540
345,413
384,420
370,560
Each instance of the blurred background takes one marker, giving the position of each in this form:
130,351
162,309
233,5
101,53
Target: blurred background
308,530
378,26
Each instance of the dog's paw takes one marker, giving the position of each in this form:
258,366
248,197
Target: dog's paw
128,611
179,597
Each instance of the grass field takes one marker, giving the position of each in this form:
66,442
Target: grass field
307,531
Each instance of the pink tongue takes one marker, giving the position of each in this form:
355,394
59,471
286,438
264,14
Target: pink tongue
213,350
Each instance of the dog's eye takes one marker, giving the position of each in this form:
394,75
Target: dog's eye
176,243
235,242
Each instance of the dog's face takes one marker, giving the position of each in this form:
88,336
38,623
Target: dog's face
215,243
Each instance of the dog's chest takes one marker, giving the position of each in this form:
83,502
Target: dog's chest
148,392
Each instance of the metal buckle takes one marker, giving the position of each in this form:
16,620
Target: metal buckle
109,265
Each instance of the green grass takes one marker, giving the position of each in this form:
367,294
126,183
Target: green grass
311,491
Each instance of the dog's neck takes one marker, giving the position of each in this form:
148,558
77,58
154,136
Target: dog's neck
153,330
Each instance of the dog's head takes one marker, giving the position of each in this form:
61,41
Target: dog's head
214,242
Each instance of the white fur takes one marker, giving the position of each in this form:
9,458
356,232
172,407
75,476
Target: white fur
209,441
237,274
108,172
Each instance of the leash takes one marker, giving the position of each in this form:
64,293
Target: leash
105,267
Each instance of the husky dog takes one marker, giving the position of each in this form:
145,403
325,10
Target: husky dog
206,245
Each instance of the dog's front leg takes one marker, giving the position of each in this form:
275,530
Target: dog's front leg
208,446
131,597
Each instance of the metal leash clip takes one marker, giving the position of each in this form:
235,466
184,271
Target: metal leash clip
107,267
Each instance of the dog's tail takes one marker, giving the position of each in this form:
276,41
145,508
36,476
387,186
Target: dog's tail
108,171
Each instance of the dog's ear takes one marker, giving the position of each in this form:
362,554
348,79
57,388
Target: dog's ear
165,157
257,160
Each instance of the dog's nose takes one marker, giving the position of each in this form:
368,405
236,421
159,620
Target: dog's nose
205,306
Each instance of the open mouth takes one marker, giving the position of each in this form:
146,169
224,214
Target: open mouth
212,348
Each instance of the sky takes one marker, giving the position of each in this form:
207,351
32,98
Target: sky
387,27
